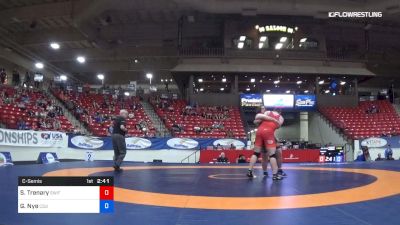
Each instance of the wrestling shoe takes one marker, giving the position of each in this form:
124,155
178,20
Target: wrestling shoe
281,173
250,174
276,177
265,173
117,169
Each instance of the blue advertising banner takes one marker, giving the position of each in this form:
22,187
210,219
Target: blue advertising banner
251,100
381,142
137,143
305,102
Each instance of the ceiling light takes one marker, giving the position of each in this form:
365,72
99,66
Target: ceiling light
100,76
299,82
327,91
222,89
170,80
288,91
252,80
306,91
242,38
223,80
200,80
63,77
149,75
260,45
303,40
126,93
136,60
55,45
263,38
321,82
39,65
342,82
276,81
256,26
81,59
247,89
201,89
268,91
283,39
278,46
240,45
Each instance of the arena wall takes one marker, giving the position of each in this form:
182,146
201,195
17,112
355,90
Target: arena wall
166,155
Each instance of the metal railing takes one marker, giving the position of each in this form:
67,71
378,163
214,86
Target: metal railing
188,157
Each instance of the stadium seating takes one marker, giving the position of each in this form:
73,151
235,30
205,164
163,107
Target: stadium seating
92,105
358,123
173,113
12,111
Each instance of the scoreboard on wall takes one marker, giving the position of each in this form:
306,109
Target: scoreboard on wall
331,154
65,195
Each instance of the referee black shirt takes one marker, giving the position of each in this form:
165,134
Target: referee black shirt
118,121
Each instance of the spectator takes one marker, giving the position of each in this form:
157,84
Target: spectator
56,125
77,130
3,76
15,78
222,158
28,79
232,147
241,159
229,134
110,130
219,147
21,125
366,154
197,129
388,152
379,157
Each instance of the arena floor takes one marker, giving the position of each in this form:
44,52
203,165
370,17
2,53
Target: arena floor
150,194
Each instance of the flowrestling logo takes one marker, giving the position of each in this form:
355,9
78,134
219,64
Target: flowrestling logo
182,143
137,143
87,142
228,142
355,14
374,142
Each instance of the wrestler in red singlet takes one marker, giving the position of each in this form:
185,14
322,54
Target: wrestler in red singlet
265,135
265,142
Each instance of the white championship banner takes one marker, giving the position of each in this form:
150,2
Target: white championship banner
32,138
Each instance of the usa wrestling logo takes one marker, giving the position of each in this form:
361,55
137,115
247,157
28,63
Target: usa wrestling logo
45,136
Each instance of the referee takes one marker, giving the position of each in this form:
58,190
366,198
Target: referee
118,139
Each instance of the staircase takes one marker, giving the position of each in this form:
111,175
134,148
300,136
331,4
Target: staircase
162,131
67,113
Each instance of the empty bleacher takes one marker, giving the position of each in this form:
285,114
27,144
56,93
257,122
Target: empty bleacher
359,122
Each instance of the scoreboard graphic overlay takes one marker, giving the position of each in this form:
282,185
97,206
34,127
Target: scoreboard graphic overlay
65,195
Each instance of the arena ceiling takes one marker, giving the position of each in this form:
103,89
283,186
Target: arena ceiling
126,38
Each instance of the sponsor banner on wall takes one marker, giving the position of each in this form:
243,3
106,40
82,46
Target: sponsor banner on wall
30,138
381,142
251,100
138,143
305,102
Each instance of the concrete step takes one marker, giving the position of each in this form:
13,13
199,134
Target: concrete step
67,113
162,131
